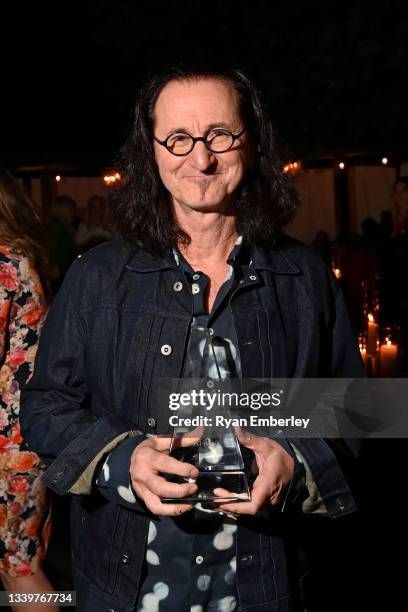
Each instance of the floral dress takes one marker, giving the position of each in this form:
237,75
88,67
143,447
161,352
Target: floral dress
25,512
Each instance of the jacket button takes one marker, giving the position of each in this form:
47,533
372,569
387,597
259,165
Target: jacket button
58,476
340,504
125,558
178,286
246,558
151,422
110,610
252,277
166,349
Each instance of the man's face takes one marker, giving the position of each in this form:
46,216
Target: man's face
201,180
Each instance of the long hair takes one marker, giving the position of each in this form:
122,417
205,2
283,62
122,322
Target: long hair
21,226
141,204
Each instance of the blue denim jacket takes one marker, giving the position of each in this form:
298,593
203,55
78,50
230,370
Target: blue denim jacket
117,326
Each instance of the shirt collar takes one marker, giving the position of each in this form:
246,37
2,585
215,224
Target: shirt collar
183,264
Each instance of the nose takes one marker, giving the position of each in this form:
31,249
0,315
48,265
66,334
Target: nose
201,158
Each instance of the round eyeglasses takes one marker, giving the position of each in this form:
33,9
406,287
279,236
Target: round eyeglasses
216,141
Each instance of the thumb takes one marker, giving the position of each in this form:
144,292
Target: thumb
245,438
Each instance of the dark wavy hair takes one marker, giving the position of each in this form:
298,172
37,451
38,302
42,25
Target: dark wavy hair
22,226
140,205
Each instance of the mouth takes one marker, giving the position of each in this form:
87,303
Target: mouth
202,177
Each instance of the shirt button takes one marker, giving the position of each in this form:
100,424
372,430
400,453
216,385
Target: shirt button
151,422
166,349
195,288
178,286
199,559
125,558
196,276
252,277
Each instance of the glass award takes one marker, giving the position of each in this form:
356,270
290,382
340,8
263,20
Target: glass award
214,450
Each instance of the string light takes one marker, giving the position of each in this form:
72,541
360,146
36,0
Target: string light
384,161
292,167
342,165
58,178
111,178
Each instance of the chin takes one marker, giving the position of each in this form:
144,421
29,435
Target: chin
206,205
209,201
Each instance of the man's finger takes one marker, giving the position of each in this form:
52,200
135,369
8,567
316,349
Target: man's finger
165,463
258,496
162,488
248,439
156,506
189,438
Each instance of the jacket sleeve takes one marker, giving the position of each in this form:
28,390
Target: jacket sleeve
56,420
113,479
325,459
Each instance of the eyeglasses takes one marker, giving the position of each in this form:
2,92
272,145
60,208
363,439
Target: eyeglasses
216,141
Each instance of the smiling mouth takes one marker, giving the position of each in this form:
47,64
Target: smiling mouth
202,176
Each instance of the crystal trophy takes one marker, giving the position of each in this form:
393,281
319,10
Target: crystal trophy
214,450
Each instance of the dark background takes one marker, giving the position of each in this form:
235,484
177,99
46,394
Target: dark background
334,73
334,76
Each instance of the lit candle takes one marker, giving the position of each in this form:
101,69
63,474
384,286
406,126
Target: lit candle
363,352
389,358
337,273
372,335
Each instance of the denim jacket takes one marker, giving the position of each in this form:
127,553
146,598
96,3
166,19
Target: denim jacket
119,324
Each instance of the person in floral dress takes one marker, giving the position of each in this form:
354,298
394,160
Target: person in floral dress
25,511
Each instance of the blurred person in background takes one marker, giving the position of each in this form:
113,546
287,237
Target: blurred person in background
321,243
25,510
400,197
93,230
396,268
61,233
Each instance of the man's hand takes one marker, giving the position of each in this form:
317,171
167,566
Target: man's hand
148,459
275,466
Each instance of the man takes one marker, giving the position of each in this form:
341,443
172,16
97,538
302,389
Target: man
200,213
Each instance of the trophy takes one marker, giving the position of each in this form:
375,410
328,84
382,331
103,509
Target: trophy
214,450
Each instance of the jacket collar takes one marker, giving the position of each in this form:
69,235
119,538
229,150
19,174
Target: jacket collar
141,261
275,259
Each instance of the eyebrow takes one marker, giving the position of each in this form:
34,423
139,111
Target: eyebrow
209,127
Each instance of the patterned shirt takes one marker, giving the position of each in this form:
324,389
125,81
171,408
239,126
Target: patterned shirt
22,313
200,574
